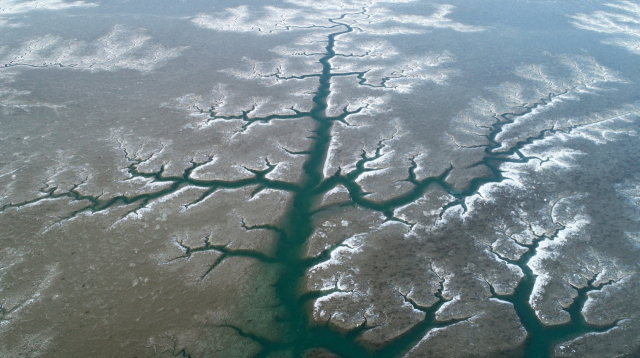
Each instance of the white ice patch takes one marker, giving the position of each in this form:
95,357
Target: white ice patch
512,129
328,282
538,290
269,193
631,45
634,238
448,305
120,49
329,169
321,315
486,192
339,189
338,257
372,174
14,7
403,76
624,20
551,152
570,213
351,46
630,191
593,306
306,14
210,171
453,213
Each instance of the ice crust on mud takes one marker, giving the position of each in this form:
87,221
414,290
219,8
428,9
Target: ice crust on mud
163,217
426,210
369,272
335,224
248,151
336,196
359,294
503,219
304,15
609,306
467,337
613,302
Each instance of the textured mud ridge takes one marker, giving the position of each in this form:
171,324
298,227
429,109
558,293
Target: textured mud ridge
301,210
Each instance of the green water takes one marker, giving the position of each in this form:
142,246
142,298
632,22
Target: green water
301,335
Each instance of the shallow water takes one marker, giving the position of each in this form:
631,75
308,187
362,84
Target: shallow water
162,165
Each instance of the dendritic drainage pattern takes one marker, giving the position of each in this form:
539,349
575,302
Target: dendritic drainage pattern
368,248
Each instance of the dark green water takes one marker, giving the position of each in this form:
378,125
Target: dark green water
301,335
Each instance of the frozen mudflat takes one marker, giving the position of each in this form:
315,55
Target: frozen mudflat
329,179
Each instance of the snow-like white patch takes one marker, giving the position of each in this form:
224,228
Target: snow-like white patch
634,238
269,193
306,14
623,20
321,315
14,7
453,213
372,174
329,169
631,45
122,48
339,189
